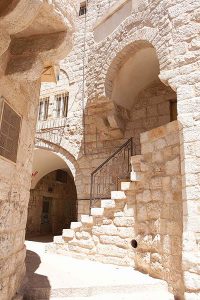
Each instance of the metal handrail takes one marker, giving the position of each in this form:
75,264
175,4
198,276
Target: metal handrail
114,162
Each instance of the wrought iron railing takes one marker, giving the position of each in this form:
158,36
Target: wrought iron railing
108,175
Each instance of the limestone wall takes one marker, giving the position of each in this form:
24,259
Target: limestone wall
172,28
148,210
28,45
159,207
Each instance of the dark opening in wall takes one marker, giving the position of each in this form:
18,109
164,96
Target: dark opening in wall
83,9
134,243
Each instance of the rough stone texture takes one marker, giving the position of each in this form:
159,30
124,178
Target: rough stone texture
172,29
151,216
28,44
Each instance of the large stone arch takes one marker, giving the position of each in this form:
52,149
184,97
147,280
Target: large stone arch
119,59
120,43
60,152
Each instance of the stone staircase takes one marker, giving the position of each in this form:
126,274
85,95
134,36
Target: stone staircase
106,234
140,225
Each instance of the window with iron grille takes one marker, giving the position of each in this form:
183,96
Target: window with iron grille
43,109
9,132
83,9
61,105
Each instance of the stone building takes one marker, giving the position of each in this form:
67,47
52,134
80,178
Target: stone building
122,122
34,36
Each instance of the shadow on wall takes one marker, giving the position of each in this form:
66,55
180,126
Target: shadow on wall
38,286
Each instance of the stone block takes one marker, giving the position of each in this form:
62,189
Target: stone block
192,280
97,211
111,250
108,203
58,239
124,221
83,243
118,195
127,186
105,230
76,225
136,176
87,220
114,240
125,232
173,167
68,234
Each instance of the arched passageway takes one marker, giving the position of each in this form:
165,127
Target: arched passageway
53,197
133,84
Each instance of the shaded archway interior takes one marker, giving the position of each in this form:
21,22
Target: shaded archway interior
135,86
53,197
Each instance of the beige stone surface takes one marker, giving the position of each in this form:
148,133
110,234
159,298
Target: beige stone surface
166,198
34,35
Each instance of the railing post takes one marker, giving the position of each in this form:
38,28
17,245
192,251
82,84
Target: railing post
91,192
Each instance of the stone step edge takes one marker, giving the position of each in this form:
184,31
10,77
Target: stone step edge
99,289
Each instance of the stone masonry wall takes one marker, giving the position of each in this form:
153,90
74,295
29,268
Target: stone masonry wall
63,209
27,45
151,110
159,207
148,210
14,187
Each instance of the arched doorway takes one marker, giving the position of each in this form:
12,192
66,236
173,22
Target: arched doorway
53,196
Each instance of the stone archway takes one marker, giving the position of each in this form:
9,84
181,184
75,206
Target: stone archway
53,196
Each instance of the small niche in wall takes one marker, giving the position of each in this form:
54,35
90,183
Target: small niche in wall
9,131
83,8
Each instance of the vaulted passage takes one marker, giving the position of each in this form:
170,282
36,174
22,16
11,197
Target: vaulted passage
53,198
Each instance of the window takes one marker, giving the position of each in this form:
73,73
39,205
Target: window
83,9
9,132
61,105
43,109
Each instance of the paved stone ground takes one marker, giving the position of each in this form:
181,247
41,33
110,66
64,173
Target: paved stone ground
52,276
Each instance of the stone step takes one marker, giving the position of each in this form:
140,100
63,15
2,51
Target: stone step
87,220
68,234
58,239
76,226
132,296
136,176
118,195
127,186
108,203
97,211
142,291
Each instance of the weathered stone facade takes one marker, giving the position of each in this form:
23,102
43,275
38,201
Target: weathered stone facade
34,36
132,60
